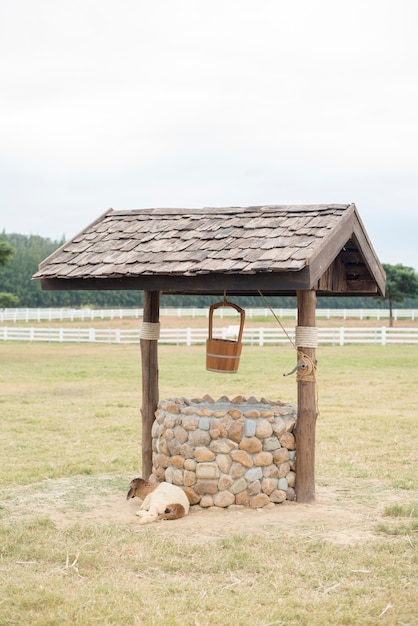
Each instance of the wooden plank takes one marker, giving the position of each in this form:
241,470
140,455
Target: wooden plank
370,256
271,282
334,278
331,246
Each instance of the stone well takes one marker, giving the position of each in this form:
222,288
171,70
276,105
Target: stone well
226,452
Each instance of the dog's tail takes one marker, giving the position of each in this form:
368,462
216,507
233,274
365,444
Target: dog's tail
173,511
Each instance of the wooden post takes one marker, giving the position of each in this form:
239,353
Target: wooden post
150,394
307,409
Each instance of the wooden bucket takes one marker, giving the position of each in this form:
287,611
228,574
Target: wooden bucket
222,355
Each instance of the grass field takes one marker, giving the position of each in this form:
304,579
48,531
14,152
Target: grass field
72,553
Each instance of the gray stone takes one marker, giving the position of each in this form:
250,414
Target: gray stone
168,474
223,446
237,470
283,484
187,450
206,501
199,438
291,479
155,429
278,496
189,478
224,461
207,470
249,428
284,469
190,464
290,494
279,426
268,485
271,471
208,487
290,421
178,477
254,473
254,488
181,434
170,421
204,423
225,482
190,423
238,485
174,447
271,443
223,499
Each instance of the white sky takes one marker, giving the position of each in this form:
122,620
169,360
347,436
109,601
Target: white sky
192,103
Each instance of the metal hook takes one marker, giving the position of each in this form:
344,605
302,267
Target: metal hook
301,366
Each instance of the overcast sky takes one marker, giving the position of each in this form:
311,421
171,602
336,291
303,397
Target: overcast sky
190,103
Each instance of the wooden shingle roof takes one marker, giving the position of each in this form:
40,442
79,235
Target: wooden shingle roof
276,249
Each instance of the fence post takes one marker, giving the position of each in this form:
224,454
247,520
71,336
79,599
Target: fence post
188,336
383,335
341,335
261,336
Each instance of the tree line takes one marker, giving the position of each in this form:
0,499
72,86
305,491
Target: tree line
20,256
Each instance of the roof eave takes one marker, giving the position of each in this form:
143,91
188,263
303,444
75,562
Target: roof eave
349,227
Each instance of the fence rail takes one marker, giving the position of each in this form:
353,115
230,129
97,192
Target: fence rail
188,336
62,314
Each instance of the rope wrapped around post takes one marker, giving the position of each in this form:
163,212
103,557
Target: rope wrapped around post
306,337
150,331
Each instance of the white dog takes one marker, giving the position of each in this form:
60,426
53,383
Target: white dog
160,500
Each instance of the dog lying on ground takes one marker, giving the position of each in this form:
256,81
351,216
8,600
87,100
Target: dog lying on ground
160,500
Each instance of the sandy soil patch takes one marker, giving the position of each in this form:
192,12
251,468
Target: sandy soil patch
344,514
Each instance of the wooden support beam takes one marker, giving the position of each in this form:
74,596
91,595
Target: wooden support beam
150,393
307,409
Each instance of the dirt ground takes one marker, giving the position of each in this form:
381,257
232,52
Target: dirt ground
345,514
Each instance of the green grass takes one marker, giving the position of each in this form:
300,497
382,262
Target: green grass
71,438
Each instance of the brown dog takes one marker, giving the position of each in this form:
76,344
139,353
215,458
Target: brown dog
161,501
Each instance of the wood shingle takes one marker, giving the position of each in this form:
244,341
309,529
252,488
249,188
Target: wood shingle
279,249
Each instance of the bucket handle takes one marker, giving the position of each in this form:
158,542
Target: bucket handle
241,311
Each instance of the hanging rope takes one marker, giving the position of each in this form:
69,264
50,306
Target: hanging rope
277,319
305,337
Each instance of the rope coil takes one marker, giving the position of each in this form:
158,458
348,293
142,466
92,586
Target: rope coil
150,331
306,368
306,337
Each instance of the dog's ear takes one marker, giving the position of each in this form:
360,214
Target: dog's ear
133,487
131,493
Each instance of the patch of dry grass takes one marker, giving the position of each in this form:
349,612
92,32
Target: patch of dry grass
112,575
71,432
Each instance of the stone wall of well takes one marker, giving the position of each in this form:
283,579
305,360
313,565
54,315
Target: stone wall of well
228,452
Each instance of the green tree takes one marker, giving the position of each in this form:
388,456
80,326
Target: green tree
6,253
401,282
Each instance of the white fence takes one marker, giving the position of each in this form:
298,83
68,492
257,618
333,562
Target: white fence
62,314
188,336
